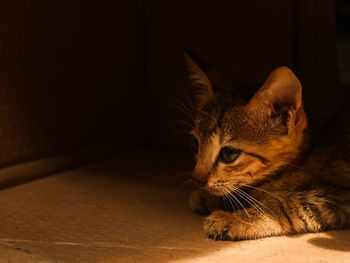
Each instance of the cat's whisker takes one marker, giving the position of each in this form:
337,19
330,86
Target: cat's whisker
183,131
224,198
256,188
247,199
181,106
190,103
184,111
254,202
250,200
182,123
189,110
233,203
258,202
226,192
259,189
239,202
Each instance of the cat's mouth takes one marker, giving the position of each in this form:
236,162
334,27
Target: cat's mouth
217,189
214,191
221,188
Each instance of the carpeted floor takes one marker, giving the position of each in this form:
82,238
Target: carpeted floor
133,210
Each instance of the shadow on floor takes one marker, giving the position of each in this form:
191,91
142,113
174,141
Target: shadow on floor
334,241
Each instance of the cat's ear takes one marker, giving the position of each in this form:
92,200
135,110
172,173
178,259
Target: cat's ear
201,87
280,96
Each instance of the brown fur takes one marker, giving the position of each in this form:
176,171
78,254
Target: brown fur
281,183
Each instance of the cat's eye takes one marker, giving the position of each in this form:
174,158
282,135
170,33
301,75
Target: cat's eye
229,154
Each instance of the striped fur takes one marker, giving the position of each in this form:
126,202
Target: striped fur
284,181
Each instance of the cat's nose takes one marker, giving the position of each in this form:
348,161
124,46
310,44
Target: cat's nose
200,181
200,176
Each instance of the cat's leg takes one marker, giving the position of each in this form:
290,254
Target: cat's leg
201,202
298,213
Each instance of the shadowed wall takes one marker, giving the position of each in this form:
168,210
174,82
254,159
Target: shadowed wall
71,76
82,74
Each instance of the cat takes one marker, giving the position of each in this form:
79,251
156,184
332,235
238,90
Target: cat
258,170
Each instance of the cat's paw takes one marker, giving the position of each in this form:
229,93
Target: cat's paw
218,225
222,225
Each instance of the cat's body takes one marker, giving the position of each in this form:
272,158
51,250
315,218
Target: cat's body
260,171
310,195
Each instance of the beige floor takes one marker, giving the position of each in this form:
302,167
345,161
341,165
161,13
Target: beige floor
133,211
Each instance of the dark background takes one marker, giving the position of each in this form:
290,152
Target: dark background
81,74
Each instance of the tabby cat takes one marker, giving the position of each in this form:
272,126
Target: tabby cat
258,170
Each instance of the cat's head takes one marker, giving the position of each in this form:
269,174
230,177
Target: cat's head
244,143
